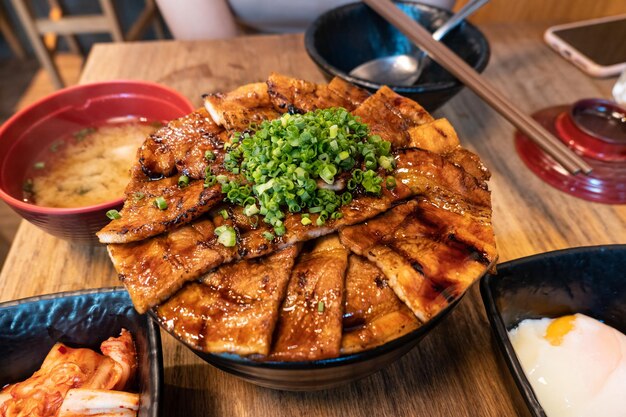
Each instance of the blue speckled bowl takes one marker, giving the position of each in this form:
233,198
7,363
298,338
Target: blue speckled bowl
30,327
588,280
345,37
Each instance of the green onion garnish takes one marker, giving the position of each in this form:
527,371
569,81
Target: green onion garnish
55,145
138,196
83,133
39,165
320,307
390,183
209,155
226,235
114,215
286,163
160,203
250,210
269,236
183,181
224,214
27,186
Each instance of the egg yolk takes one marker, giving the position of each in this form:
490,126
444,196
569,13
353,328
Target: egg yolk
558,328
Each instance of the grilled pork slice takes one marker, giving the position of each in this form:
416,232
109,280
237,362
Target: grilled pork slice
233,309
154,269
429,252
437,136
141,218
390,115
373,314
240,108
440,137
291,94
309,325
180,146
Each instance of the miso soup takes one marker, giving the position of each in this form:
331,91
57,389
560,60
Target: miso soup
88,167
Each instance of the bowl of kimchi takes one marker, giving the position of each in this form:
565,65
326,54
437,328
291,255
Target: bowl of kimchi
79,353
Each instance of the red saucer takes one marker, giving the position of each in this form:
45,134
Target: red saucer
607,156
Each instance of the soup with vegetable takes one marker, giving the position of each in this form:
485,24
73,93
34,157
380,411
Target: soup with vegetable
88,167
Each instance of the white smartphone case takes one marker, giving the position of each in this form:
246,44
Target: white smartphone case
570,53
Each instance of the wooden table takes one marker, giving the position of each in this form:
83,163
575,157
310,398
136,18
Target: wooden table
453,371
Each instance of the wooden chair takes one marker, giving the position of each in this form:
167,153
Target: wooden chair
9,34
68,26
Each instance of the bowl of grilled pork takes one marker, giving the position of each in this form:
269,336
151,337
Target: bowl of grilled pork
325,231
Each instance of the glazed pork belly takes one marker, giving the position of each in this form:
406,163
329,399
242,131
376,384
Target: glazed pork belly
233,309
309,325
373,313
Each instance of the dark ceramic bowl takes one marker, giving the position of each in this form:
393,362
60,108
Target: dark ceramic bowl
345,37
588,280
30,327
320,374
39,125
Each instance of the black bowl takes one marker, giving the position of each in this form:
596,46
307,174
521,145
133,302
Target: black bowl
319,374
588,280
30,327
348,36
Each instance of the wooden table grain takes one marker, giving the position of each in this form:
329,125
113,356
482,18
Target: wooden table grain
453,371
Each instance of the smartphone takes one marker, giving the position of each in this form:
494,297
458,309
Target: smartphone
596,46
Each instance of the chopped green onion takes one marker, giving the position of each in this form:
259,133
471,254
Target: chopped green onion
209,155
269,236
209,181
224,214
320,307
336,215
39,165
226,236
306,221
390,183
183,181
54,147
332,131
113,215
138,196
160,203
285,162
221,229
28,185
250,210
83,133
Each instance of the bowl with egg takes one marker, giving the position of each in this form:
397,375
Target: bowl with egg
65,160
93,338
559,320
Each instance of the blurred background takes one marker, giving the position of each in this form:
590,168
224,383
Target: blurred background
39,51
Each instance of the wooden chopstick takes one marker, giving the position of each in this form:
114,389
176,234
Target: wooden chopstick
483,88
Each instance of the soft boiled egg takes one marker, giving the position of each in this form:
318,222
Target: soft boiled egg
575,364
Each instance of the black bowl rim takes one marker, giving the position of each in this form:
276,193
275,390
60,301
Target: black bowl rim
499,329
154,336
309,42
343,360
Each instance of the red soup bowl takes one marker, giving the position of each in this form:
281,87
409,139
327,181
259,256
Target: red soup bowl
69,110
